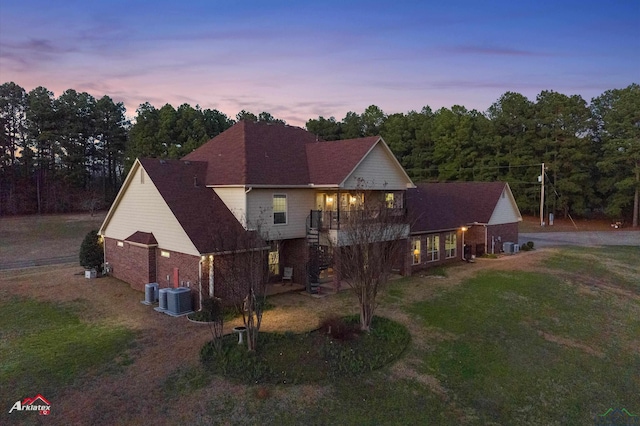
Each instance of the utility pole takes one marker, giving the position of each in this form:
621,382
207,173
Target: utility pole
542,197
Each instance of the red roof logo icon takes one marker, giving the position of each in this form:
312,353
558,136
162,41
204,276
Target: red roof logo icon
38,397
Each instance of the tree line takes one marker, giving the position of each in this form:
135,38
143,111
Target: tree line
72,152
591,152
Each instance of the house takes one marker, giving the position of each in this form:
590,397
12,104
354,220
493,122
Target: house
174,221
446,218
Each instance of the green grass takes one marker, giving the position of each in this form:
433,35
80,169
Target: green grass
618,265
45,346
499,365
310,357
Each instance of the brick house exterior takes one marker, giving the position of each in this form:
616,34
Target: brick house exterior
185,223
449,217
176,222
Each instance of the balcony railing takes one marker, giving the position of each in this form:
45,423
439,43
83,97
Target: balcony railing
332,219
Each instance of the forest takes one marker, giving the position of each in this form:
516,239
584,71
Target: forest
71,153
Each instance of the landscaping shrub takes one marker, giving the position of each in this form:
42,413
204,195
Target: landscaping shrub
91,251
528,246
337,328
310,357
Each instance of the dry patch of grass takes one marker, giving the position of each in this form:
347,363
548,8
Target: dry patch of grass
570,343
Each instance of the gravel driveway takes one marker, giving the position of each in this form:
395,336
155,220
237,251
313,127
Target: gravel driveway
583,238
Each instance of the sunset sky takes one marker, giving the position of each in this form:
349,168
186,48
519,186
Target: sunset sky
301,59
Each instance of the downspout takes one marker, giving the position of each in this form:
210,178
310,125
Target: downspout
200,280
211,279
246,208
104,254
486,239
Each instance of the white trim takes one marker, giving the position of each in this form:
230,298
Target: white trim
395,161
286,209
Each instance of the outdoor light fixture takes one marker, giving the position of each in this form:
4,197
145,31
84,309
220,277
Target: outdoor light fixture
463,229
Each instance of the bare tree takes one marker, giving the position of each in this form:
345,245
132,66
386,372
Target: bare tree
243,270
214,315
370,241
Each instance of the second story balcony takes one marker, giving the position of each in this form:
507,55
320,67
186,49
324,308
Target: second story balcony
324,220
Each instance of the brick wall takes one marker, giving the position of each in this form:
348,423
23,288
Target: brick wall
295,253
424,264
475,237
501,234
131,263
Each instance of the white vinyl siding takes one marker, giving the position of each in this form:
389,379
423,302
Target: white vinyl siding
236,201
300,202
279,209
142,208
505,211
378,170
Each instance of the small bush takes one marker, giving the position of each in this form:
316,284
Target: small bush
91,251
338,328
528,246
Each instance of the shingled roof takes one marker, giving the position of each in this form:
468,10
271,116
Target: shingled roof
201,213
445,206
144,238
268,154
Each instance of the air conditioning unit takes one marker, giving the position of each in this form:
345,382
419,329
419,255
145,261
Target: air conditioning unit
178,301
150,293
162,300
508,247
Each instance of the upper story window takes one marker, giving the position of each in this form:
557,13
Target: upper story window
279,209
389,200
393,200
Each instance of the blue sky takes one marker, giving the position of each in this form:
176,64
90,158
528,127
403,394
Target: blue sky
299,60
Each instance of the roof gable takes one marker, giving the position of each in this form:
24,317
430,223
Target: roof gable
331,162
202,214
140,207
440,206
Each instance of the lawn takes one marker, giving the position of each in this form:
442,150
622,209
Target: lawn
40,237
45,347
528,348
545,337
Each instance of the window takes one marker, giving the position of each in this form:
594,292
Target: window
274,259
279,209
165,253
450,243
433,248
415,251
389,200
